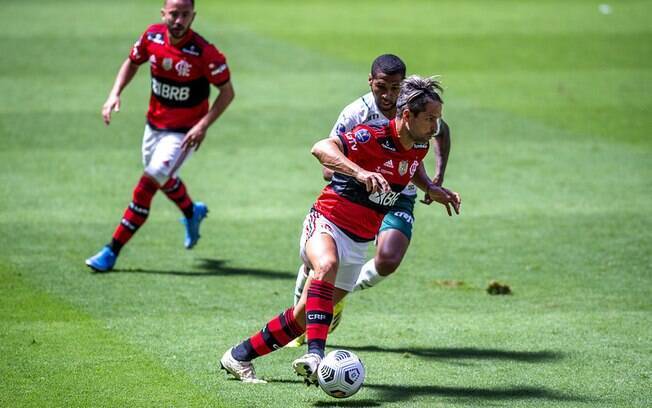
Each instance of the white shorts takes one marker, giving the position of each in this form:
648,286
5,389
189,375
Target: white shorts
351,254
162,153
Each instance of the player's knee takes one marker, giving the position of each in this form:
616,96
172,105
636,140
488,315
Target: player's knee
326,267
387,262
158,173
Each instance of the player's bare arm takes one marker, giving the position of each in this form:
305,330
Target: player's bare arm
436,193
125,75
441,149
197,133
330,154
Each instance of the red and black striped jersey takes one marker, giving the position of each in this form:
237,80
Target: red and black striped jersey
181,76
346,202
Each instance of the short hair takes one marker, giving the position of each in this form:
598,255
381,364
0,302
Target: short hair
416,92
165,2
388,64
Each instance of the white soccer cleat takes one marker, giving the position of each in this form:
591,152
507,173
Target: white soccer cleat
306,367
242,370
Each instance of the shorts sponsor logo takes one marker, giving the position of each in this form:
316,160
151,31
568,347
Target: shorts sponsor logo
167,64
405,216
171,92
316,316
403,167
362,136
387,199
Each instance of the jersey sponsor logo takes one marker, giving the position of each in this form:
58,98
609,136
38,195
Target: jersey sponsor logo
156,38
403,167
362,136
389,164
353,144
183,68
170,92
191,49
215,71
167,64
413,168
387,199
386,143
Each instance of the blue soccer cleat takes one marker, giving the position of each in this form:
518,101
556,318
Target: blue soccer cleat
192,224
102,261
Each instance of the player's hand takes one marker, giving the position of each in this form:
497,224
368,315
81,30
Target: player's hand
112,104
374,182
443,196
193,138
437,180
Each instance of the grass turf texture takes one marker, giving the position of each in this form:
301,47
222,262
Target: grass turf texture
549,107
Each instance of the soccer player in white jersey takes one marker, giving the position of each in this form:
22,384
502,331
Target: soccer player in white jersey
393,240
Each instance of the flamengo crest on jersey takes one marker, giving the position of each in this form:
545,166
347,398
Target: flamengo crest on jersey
181,76
346,202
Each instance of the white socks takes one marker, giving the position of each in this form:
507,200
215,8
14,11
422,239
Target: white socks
302,276
368,276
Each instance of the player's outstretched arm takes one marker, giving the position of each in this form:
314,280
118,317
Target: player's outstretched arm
329,153
197,133
125,74
436,193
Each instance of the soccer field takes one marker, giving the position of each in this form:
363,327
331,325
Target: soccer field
549,104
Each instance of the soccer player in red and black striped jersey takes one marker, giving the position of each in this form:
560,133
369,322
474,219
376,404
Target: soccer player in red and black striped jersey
183,67
371,165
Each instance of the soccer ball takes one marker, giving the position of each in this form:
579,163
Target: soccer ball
340,374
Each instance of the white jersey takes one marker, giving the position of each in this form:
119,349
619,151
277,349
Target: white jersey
364,111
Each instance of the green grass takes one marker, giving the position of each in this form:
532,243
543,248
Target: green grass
549,107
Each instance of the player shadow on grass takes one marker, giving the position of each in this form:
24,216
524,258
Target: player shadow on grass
217,267
456,353
395,393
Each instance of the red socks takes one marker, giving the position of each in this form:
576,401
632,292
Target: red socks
176,191
319,313
277,333
136,213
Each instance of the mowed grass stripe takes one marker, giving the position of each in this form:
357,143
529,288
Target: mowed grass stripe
54,354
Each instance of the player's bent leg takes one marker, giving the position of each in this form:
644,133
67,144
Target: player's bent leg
163,164
321,253
393,242
241,370
302,277
133,218
277,333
